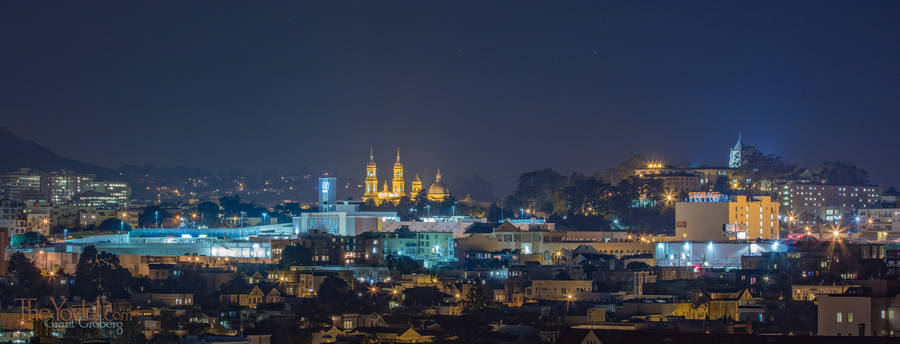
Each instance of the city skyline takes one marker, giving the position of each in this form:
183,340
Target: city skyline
464,172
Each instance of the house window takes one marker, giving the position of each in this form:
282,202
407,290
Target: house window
838,317
850,317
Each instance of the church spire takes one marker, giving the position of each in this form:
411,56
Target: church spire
735,160
371,153
437,177
398,154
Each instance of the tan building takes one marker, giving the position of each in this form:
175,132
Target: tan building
252,297
757,218
725,304
701,221
858,315
719,220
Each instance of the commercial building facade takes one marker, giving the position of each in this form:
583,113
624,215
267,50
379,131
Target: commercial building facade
714,217
710,254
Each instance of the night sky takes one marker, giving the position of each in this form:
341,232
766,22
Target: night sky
484,87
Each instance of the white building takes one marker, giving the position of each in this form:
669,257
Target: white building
347,220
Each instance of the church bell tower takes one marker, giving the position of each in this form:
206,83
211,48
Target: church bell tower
371,177
397,183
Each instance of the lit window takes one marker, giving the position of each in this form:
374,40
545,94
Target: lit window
838,317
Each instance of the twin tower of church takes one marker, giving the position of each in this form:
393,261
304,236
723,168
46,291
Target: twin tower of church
437,192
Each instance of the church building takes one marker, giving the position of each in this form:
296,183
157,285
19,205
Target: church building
437,192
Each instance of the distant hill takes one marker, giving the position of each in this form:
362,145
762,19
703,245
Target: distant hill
20,153
165,175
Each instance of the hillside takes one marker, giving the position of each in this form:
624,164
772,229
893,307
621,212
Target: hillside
22,153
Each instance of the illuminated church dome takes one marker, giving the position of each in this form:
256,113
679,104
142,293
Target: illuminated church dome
438,192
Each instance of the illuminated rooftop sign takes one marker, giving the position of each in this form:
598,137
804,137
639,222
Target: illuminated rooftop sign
707,197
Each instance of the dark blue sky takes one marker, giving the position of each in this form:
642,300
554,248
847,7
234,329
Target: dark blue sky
490,88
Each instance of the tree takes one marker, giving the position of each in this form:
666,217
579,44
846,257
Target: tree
844,173
113,225
763,170
100,274
29,240
30,281
421,201
289,210
584,196
422,296
535,190
493,213
476,299
402,264
722,185
334,295
152,215
233,206
404,209
237,284
295,255
209,213
626,169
